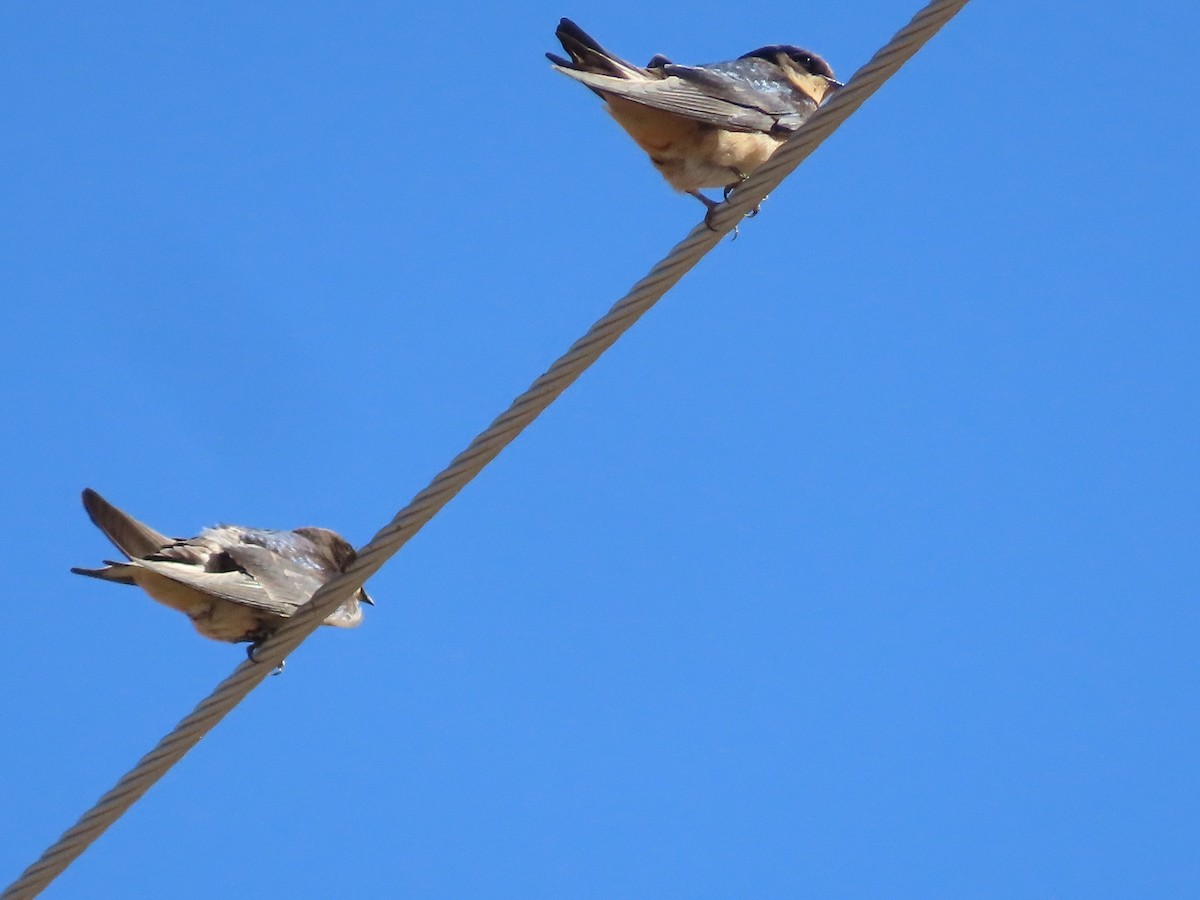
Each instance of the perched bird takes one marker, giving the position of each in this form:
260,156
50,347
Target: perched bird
235,584
704,126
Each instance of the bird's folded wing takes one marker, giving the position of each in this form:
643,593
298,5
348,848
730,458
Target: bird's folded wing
754,85
681,97
291,582
236,587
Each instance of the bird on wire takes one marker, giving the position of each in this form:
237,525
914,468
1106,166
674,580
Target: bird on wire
707,126
236,584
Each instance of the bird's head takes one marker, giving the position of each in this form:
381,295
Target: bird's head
337,550
806,71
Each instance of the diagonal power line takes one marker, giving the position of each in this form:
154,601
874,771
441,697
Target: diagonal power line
483,449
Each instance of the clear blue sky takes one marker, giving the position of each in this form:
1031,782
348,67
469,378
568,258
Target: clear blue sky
865,565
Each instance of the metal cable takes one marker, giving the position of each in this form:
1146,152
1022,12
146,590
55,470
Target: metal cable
483,449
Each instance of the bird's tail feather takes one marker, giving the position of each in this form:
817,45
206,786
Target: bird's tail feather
128,535
122,573
587,55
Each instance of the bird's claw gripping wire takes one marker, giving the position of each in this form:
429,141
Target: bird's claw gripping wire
250,651
711,207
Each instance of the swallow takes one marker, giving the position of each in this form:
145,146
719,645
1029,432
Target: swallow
236,584
707,126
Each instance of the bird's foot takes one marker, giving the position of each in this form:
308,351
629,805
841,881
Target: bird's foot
740,176
253,648
728,189
711,206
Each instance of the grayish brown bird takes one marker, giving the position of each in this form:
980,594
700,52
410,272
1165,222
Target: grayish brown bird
706,126
235,584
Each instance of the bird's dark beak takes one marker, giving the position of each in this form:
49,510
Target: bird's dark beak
364,597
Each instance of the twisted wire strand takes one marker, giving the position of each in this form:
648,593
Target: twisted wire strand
482,450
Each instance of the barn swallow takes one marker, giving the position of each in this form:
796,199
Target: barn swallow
706,126
235,584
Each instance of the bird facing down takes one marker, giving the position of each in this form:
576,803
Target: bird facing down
234,583
706,126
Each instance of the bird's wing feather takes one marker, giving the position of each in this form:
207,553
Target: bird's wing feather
752,84
290,582
679,96
236,587
292,579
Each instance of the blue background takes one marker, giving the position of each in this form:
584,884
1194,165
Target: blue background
865,565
